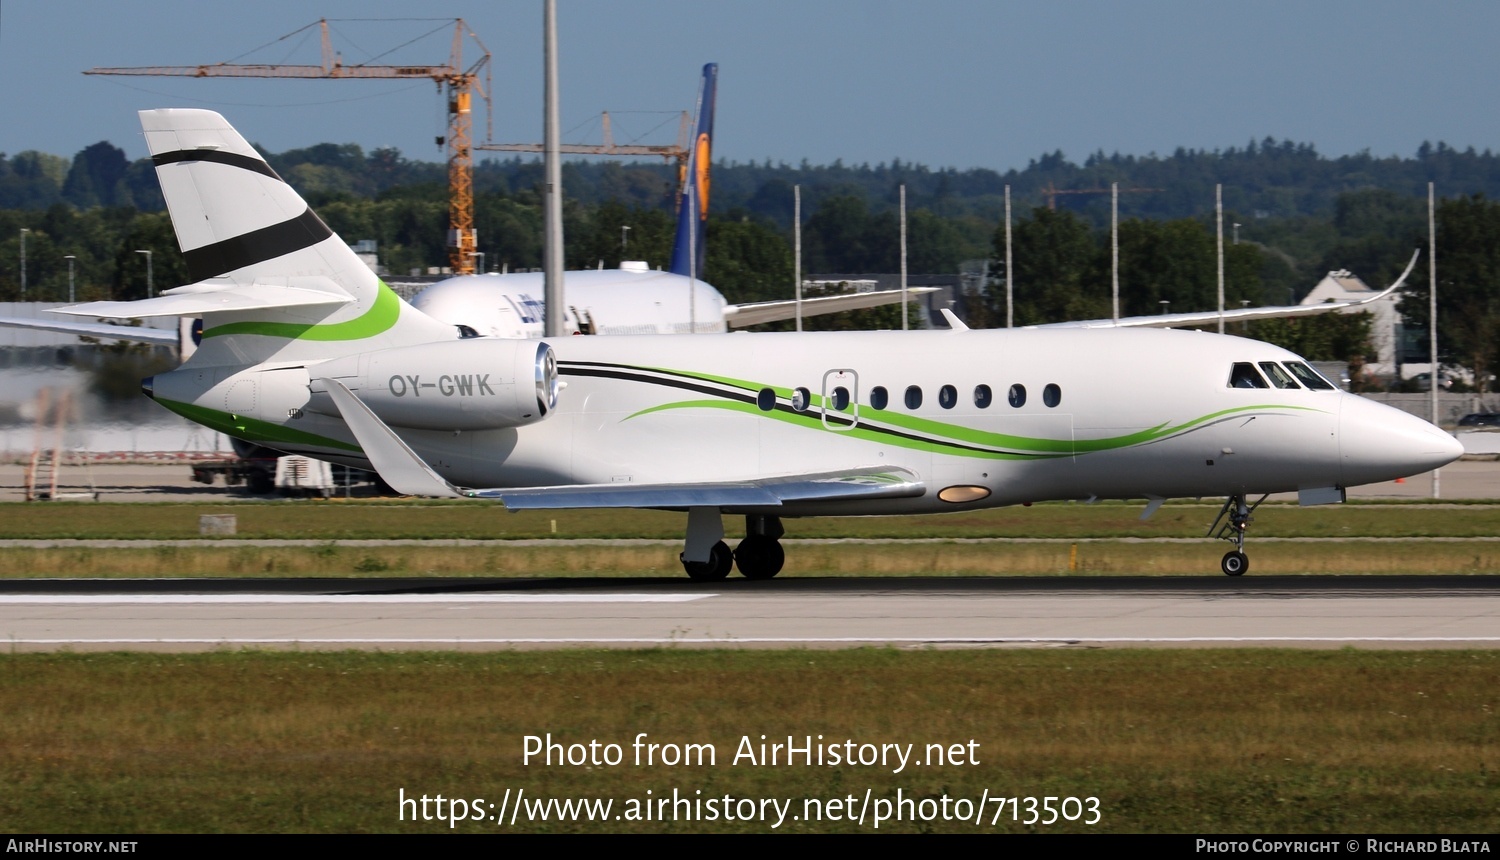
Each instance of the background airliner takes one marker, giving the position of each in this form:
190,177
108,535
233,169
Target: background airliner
305,350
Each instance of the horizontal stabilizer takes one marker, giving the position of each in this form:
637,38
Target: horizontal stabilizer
134,333
739,316
211,297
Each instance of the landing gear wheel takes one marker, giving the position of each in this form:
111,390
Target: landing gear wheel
1234,563
759,557
720,562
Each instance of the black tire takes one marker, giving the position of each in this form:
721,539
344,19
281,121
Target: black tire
720,562
1234,563
759,557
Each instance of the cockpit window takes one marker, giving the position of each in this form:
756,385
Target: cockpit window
1244,375
1309,377
1279,378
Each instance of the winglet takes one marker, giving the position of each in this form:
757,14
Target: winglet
954,322
394,460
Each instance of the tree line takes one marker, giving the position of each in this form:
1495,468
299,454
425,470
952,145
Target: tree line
1358,212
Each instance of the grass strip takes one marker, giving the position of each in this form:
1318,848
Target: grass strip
1245,741
332,520
1103,558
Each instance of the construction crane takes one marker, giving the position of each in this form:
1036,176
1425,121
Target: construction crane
678,151
1051,192
457,83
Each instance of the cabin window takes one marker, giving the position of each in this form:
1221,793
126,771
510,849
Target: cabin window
879,399
839,401
947,397
983,396
1279,378
801,399
913,397
1244,375
1051,395
1017,395
766,399
1309,377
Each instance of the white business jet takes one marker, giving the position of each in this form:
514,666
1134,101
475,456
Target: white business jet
306,351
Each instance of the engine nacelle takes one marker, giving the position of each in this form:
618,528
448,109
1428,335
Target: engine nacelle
473,384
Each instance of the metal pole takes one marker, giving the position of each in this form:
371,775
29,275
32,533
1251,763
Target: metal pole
797,246
1010,281
70,258
552,200
1114,245
24,231
904,325
1219,209
1432,346
149,293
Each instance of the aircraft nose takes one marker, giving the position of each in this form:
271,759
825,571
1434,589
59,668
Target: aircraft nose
1381,443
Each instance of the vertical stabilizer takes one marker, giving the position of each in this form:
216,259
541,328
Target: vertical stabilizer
244,233
692,208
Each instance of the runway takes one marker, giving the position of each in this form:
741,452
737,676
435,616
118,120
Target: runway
995,612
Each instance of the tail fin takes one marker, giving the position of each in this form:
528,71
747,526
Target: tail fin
692,205
270,279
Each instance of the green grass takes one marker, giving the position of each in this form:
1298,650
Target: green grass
475,520
1169,741
1104,558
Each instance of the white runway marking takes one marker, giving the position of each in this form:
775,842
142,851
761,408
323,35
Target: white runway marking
337,599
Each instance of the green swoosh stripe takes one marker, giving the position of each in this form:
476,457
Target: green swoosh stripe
1020,447
870,434
253,429
957,433
379,318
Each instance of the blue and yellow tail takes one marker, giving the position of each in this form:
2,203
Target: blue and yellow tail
692,203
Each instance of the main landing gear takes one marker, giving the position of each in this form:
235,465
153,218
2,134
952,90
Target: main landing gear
707,558
1235,516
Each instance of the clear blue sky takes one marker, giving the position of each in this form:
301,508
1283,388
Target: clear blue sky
961,83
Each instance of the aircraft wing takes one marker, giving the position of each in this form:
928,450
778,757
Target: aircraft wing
875,482
406,472
739,316
1238,314
140,334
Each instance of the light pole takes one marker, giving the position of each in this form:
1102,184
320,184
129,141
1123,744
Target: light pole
70,259
624,238
148,272
24,231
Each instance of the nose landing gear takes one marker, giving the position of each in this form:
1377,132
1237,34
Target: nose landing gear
1235,519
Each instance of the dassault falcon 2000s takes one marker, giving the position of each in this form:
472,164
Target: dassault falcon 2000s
306,351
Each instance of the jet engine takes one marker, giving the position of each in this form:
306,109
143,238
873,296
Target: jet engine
471,384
